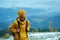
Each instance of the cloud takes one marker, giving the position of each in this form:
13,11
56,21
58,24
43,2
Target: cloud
44,4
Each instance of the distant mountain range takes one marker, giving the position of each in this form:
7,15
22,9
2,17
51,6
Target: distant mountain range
39,18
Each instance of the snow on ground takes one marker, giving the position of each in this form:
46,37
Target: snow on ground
40,36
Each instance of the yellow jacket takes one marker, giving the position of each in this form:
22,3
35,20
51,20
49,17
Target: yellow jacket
23,35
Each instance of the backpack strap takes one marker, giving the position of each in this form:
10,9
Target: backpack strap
26,25
18,24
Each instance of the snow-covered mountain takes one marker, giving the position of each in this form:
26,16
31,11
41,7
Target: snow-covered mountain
39,18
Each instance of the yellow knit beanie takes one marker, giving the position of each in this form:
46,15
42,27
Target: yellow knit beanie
21,12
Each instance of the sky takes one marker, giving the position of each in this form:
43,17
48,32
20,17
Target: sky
40,4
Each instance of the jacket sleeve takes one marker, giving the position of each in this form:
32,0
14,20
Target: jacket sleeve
28,26
12,27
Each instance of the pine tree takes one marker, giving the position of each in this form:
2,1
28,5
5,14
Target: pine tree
51,26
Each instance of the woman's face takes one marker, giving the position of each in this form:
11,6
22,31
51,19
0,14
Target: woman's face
22,18
24,15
